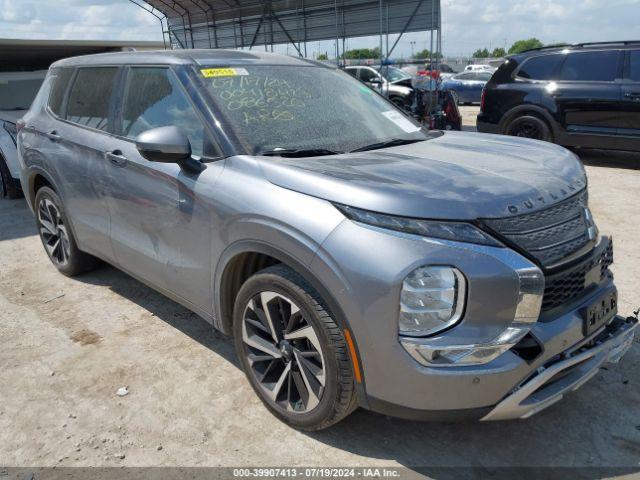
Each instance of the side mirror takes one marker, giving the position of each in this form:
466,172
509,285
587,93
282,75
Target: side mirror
375,81
164,144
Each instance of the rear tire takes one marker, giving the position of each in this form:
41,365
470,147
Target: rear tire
529,126
292,351
7,184
57,237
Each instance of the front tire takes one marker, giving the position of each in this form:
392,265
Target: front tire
57,237
292,351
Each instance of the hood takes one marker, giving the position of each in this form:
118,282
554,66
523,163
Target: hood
456,176
12,115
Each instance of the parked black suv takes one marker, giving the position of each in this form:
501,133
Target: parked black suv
583,95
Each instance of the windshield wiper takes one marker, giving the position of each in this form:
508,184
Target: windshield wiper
389,143
302,152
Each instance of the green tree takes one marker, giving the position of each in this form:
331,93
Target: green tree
426,55
481,53
522,45
498,52
323,56
362,53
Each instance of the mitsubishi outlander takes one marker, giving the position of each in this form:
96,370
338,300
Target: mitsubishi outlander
356,258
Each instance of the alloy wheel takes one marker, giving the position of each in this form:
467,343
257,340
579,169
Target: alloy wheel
283,352
527,130
53,232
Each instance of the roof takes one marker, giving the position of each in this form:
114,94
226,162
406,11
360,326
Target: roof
243,23
28,55
583,46
203,57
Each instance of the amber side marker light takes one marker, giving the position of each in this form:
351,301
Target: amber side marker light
354,357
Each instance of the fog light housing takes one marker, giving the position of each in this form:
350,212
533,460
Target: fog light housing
461,355
432,300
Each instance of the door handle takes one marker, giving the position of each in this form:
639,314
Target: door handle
633,95
53,136
116,157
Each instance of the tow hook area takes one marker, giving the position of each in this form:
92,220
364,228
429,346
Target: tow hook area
568,372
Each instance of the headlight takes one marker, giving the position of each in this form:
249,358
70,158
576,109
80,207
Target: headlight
457,231
432,299
529,301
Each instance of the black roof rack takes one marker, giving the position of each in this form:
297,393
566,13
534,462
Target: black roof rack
585,44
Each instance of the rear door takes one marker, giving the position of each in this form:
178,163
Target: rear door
160,231
588,97
74,139
630,128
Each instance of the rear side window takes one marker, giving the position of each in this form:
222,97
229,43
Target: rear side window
351,71
590,67
60,84
154,98
541,68
634,65
90,96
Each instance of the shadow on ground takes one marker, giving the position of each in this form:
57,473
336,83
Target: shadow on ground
16,219
609,158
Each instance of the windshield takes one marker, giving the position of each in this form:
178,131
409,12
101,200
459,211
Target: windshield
18,93
304,108
393,74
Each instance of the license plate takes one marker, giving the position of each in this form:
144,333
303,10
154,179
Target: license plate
599,312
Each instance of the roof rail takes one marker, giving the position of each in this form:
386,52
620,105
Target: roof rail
584,44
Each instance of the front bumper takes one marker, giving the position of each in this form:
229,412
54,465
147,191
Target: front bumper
367,289
567,372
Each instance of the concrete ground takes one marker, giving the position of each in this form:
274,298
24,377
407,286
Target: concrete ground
67,346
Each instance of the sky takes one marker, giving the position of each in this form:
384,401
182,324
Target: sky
467,24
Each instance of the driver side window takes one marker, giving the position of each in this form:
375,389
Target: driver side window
367,75
154,98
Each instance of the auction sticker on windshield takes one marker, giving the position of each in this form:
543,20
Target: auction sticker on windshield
223,72
401,121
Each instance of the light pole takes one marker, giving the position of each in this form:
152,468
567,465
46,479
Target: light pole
412,43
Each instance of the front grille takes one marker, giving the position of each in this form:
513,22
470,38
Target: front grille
568,284
550,235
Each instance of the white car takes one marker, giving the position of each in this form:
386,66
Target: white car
17,91
479,68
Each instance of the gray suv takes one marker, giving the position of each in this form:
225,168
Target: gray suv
355,258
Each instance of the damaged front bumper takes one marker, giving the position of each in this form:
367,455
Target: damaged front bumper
566,372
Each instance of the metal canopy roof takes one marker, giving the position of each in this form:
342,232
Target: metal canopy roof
247,23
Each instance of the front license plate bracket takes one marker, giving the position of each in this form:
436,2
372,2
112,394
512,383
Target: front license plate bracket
599,313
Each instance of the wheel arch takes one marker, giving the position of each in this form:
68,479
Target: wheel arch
529,109
39,178
244,258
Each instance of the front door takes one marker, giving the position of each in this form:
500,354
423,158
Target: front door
160,232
